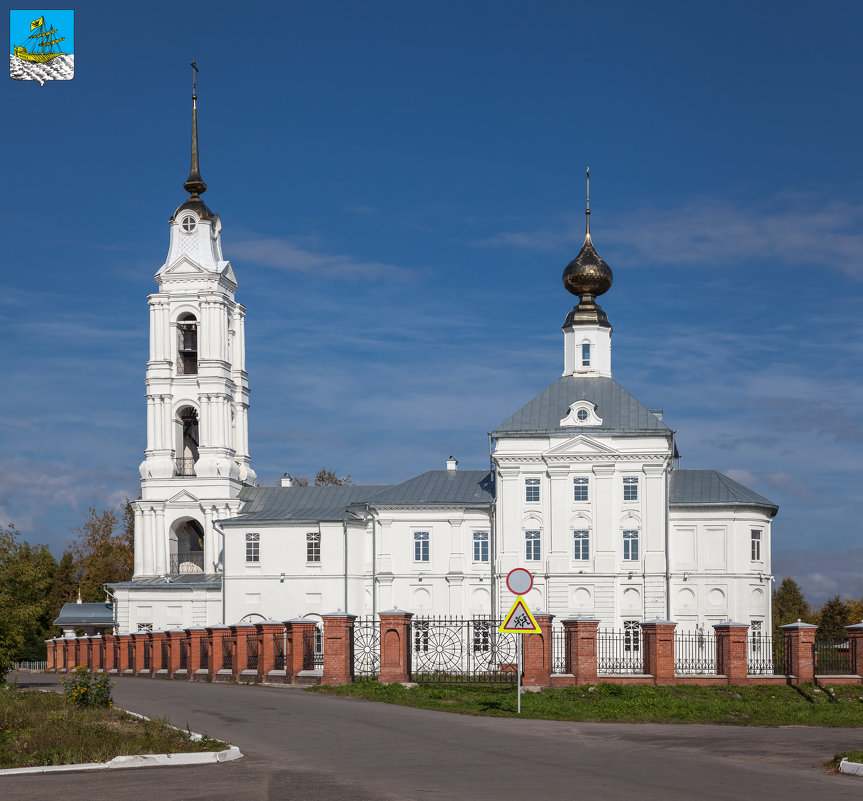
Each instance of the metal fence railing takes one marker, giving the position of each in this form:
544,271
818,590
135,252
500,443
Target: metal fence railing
278,652
204,654
765,656
694,653
831,657
558,651
458,650
28,664
227,653
184,654
251,652
367,647
619,651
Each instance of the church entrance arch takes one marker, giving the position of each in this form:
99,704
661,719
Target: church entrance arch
187,546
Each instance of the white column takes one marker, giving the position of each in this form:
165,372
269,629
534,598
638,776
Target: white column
209,535
154,327
158,438
160,543
149,562
139,542
151,424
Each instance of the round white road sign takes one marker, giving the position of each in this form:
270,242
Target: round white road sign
519,581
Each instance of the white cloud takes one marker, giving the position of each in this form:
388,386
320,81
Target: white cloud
286,254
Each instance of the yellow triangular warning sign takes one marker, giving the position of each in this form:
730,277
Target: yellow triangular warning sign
519,620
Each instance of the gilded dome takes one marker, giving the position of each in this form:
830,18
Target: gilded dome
587,273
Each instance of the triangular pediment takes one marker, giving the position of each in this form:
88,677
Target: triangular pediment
580,445
184,266
228,273
183,498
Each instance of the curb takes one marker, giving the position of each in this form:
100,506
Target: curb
852,768
140,760
136,761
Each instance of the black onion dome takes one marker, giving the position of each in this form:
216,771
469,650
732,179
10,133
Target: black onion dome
587,273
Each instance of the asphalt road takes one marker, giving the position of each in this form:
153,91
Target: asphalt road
304,747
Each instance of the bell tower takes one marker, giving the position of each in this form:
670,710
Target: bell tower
197,455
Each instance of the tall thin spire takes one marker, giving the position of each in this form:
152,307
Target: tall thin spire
194,183
587,210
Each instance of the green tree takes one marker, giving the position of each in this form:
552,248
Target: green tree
64,588
789,605
26,573
832,619
103,549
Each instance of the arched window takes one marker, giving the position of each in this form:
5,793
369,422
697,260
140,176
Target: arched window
187,548
187,345
187,446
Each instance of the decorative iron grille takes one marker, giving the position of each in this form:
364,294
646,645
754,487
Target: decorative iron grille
227,653
101,665
694,653
184,654
318,655
147,647
116,649
367,647
204,653
164,665
831,657
278,652
192,562
765,656
619,651
454,650
558,651
251,652
130,655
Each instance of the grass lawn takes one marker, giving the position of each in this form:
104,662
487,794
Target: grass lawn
806,705
39,728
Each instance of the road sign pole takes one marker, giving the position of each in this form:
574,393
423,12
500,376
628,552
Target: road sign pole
518,691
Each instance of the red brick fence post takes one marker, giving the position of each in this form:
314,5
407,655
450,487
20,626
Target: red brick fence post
159,656
580,643
855,646
395,646
658,640
338,648
111,654
272,641
220,669
199,641
302,632
537,653
799,651
731,651
175,639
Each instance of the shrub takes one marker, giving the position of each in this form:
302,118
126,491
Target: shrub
84,688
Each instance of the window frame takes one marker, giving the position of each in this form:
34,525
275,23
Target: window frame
579,482
533,545
422,547
532,484
581,545
585,354
480,541
631,537
632,636
630,488
253,548
313,547
755,543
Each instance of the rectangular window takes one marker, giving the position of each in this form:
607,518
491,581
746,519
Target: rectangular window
531,490
421,636
481,636
480,546
579,490
253,547
421,546
631,636
630,546
630,488
756,545
313,546
585,355
532,546
581,545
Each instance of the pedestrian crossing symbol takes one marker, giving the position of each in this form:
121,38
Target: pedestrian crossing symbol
519,620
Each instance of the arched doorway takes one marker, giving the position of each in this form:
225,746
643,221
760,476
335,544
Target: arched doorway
187,547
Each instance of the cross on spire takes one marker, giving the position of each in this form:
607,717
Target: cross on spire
194,183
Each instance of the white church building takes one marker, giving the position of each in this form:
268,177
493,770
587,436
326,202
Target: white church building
583,490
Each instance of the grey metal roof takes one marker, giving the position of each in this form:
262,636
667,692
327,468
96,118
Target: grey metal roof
439,488
712,488
618,410
197,581
75,614
300,503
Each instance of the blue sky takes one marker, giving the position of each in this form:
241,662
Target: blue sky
20,31
401,185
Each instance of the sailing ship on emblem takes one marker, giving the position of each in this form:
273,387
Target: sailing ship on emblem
45,47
